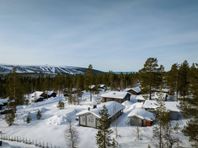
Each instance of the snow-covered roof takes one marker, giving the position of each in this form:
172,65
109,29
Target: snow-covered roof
115,94
3,101
154,96
101,85
35,95
112,106
141,113
172,106
136,89
165,90
130,107
152,104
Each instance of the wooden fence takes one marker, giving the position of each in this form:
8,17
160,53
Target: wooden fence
37,143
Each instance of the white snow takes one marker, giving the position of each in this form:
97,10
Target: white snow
53,123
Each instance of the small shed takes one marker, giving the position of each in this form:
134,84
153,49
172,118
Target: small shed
141,117
118,96
90,117
173,109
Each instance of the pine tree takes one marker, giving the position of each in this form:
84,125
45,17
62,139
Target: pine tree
190,107
89,79
183,79
151,74
162,121
89,76
172,79
15,90
103,135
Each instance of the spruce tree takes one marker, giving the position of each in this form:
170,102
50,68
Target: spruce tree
172,79
29,118
89,79
38,115
103,135
183,79
9,118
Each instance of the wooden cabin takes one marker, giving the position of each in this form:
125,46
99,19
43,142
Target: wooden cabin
90,117
141,117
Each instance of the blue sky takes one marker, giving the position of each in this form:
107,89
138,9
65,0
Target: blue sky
116,35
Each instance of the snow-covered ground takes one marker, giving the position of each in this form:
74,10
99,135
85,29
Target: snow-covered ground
51,127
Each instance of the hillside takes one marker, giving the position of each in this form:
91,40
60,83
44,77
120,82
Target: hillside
46,69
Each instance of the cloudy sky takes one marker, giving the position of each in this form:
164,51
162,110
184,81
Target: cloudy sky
116,35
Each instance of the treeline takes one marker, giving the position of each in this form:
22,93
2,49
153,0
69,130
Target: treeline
15,85
151,76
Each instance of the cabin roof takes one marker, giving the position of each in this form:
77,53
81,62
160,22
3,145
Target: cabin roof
115,94
112,106
152,104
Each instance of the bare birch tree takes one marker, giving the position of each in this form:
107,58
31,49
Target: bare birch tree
71,135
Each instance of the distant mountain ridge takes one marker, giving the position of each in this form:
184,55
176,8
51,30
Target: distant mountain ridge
45,69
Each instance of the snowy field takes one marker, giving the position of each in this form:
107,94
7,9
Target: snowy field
51,127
